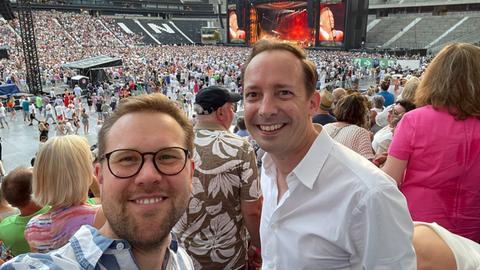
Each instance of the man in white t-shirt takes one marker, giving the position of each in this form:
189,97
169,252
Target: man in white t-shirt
3,115
69,112
324,205
33,112
59,109
49,113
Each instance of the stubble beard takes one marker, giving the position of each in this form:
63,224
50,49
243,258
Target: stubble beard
152,234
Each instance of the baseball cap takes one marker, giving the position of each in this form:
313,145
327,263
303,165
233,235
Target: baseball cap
213,97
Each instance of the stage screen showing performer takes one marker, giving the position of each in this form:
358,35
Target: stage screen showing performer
332,23
287,21
235,34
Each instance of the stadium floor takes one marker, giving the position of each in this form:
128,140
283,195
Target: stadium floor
20,142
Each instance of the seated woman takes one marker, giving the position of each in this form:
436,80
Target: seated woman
434,155
383,138
352,116
62,176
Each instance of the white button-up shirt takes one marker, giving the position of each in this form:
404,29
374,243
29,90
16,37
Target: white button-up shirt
340,212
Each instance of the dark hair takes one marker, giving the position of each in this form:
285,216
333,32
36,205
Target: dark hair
17,187
352,109
241,123
407,105
385,85
378,101
309,68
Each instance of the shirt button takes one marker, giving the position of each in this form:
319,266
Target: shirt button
271,265
120,246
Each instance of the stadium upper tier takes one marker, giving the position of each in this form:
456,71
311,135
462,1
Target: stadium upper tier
67,37
422,31
145,7
378,4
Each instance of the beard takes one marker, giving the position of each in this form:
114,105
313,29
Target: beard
148,230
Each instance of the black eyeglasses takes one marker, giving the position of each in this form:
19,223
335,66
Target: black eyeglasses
394,112
126,163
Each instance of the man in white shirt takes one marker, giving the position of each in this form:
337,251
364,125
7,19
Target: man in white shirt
324,205
69,112
77,90
33,112
49,113
59,112
3,115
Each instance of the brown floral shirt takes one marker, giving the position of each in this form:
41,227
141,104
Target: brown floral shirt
213,230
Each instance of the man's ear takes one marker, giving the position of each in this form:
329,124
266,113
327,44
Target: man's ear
97,170
220,113
192,171
314,102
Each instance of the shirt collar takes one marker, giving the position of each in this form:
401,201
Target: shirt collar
209,125
89,245
308,169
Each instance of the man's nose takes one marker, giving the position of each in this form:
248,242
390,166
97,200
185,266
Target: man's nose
267,106
148,174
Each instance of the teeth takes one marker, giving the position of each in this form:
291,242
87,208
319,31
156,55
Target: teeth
149,201
270,127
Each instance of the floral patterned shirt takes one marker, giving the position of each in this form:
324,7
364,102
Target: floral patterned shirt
213,229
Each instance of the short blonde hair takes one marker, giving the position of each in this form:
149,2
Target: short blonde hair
63,172
451,81
147,103
410,89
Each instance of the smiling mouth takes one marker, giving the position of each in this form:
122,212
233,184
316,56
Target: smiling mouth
270,128
147,201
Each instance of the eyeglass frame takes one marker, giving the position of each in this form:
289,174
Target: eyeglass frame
394,112
143,154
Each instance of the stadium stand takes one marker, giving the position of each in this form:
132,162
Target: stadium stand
425,31
191,28
385,30
159,32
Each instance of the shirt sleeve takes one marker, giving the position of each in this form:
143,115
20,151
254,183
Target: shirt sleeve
401,146
381,231
250,184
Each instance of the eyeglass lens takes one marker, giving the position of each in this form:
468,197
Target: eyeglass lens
127,163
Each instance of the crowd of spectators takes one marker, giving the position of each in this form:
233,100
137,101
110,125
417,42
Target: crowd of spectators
368,122
67,37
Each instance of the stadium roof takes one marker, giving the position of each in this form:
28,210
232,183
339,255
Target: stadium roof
97,62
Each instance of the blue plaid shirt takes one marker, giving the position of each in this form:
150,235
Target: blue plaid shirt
88,249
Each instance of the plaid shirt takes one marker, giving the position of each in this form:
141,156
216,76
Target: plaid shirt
88,249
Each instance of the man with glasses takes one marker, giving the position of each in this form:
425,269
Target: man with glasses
145,171
225,200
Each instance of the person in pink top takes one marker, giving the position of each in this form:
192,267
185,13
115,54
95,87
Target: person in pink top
435,151
62,175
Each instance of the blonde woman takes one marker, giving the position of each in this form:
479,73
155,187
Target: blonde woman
62,176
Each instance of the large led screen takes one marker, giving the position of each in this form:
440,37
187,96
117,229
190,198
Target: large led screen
235,33
332,23
287,21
